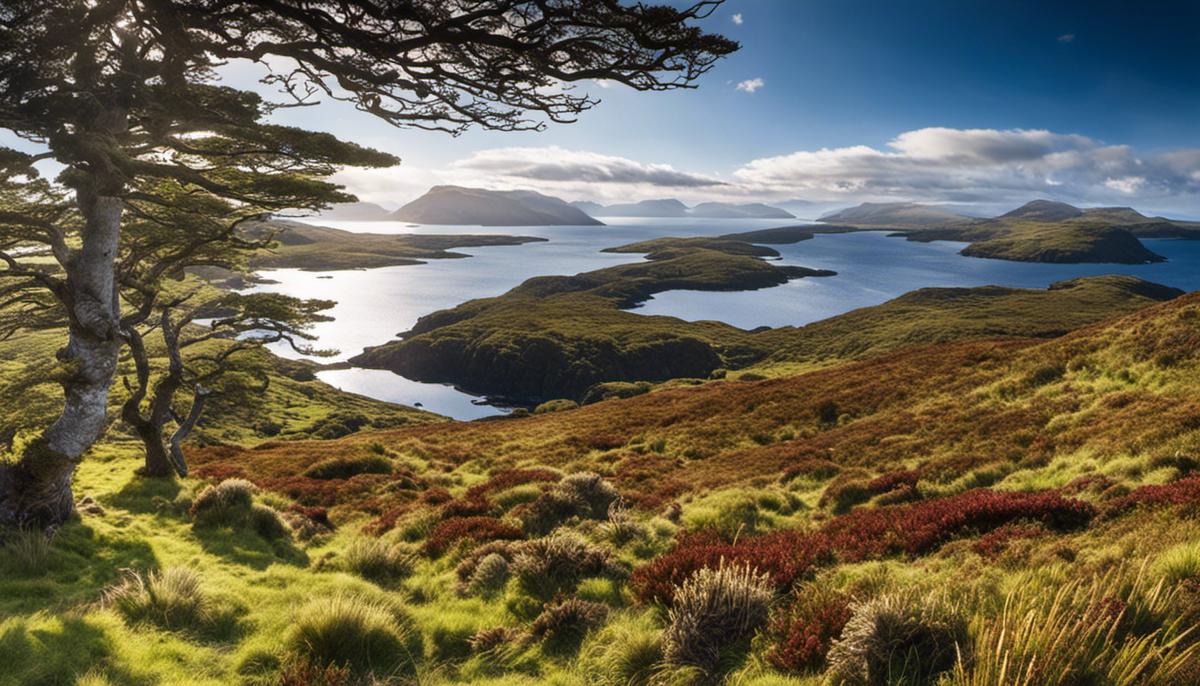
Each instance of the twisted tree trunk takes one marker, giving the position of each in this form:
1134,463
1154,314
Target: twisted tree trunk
36,491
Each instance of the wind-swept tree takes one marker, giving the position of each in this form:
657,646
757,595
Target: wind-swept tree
121,92
207,362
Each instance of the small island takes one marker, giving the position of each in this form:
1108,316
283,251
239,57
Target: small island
320,248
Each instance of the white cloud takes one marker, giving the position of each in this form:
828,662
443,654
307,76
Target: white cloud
554,164
751,85
987,167
1066,38
973,165
737,19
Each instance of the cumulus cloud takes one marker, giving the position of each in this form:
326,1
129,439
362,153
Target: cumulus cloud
559,165
972,165
737,19
751,85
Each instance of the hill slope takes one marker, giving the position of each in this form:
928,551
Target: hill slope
459,205
892,214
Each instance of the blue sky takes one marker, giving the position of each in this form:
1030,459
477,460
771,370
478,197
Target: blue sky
959,101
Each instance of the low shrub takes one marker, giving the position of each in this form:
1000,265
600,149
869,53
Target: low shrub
469,563
224,504
376,560
896,639
992,544
356,634
714,614
170,599
347,466
584,495
475,529
496,640
504,479
490,575
801,633
547,566
559,405
1186,491
268,523
564,624
863,534
810,468
849,489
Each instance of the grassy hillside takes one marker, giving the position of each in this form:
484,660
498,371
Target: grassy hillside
295,405
1063,243
961,511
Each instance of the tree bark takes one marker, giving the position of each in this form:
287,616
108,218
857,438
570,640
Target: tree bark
36,491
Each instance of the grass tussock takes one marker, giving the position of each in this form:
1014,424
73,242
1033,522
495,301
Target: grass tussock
897,638
713,613
362,636
377,560
172,598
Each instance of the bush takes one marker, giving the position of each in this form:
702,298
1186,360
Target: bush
584,494
802,632
496,640
896,639
224,504
476,529
564,624
377,560
353,633
547,566
863,534
490,575
558,405
171,599
268,523
346,467
713,614
810,468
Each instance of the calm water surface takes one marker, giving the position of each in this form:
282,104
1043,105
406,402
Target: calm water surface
376,304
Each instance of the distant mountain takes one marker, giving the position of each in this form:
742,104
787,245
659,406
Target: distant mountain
1044,211
357,212
670,207
667,207
722,210
893,214
1117,215
477,206
589,207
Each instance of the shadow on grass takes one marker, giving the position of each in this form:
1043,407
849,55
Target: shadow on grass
77,566
247,548
59,651
143,495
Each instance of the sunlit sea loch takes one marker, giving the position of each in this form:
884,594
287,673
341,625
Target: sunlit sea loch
374,305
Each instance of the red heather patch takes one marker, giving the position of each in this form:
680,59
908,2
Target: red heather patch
991,544
802,633
1183,492
863,534
504,479
477,529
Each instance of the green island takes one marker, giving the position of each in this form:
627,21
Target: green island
557,337
1038,231
320,248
